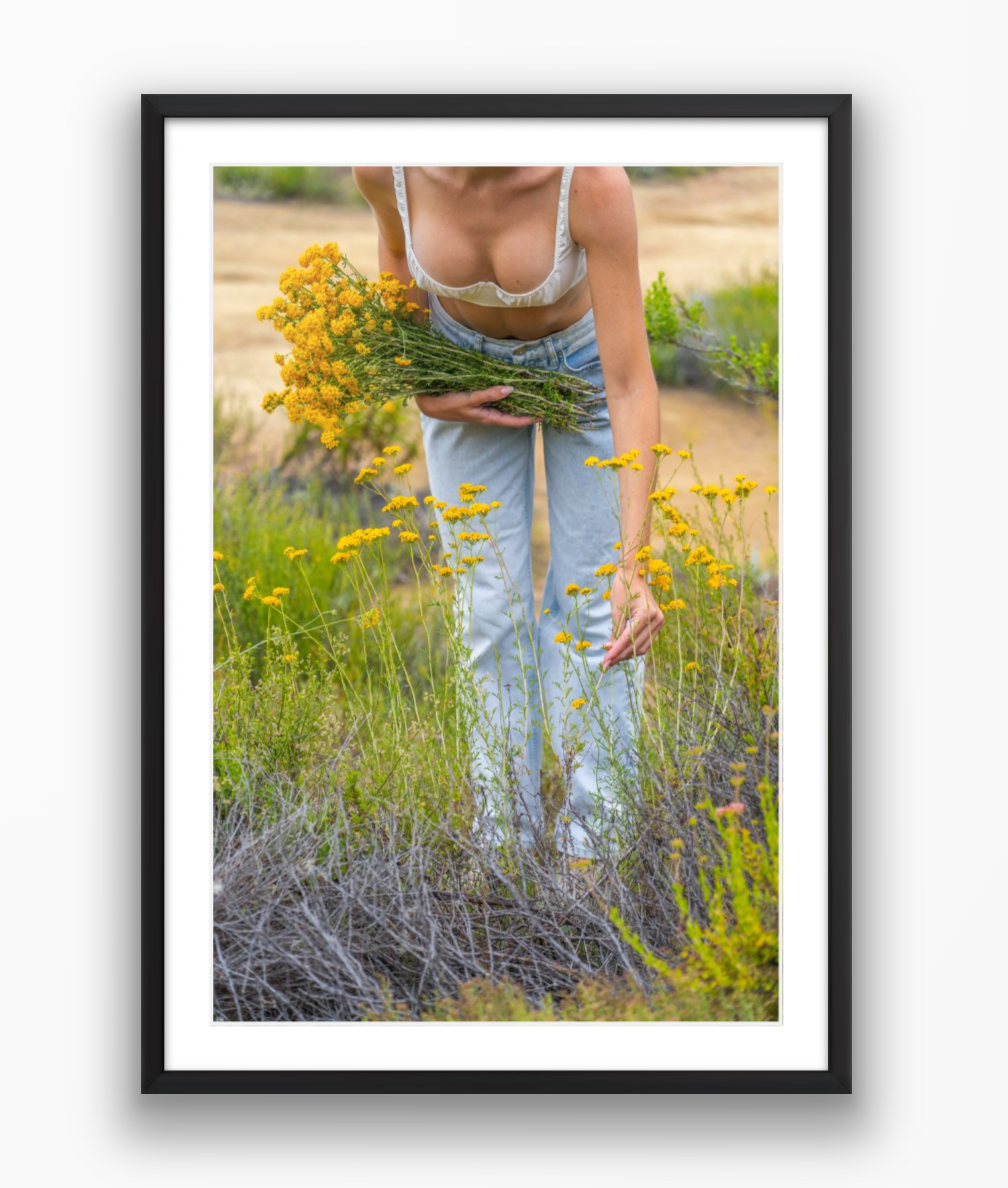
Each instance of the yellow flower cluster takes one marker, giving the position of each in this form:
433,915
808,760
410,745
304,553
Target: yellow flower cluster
371,618
563,637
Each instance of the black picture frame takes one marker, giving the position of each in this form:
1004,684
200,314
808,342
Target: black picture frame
836,109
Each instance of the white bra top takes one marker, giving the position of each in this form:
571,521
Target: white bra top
570,263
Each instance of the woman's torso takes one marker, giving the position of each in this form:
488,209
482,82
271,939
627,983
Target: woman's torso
500,227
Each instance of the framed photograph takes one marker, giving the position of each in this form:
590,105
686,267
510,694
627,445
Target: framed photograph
505,746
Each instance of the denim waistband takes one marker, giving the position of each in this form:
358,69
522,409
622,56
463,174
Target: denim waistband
536,352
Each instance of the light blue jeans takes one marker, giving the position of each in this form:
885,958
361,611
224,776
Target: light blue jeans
524,677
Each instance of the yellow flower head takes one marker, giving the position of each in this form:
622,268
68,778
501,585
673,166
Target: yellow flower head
403,362
563,637
691,666
391,450
269,600
371,618
218,588
592,461
405,468
684,454
573,588
366,473
218,556
290,657
343,555
471,561
606,570
675,604
770,490
582,645
278,590
578,703
295,554
409,537
660,450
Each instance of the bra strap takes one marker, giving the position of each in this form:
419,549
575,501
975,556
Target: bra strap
399,181
563,213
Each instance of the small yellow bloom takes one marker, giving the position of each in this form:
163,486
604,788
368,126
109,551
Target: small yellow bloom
445,570
592,461
342,555
366,473
636,466
607,595
397,523
404,469
578,703
218,588
770,490
496,504
391,450
403,362
660,450
290,657
675,604
573,588
218,556
295,554
409,537
371,618
692,666
606,570
684,454
471,561
582,645
546,610
269,600
278,590
563,637
428,499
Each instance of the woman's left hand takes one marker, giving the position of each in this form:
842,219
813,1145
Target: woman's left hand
637,618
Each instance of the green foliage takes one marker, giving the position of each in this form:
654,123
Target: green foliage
740,356
285,183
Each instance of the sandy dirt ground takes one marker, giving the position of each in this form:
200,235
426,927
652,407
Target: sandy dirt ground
704,232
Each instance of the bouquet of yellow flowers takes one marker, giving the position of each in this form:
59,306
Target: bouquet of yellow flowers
356,343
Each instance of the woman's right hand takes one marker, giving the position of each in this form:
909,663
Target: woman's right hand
472,408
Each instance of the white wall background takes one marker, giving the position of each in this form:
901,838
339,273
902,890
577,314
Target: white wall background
929,390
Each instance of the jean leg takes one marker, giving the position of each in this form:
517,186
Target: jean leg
495,603
596,743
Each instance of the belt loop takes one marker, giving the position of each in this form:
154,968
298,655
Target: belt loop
551,351
478,344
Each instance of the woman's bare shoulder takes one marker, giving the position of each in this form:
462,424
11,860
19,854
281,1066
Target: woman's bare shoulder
601,203
375,183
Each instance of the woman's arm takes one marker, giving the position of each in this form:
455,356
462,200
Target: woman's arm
603,221
376,184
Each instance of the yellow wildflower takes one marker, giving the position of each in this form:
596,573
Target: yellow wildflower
684,454
636,466
409,537
428,499
607,595
391,450
643,554
471,560
581,645
606,570
660,450
405,468
295,554
691,666
573,588
366,473
403,362
269,600
371,618
578,703
218,556
496,504
675,604
341,556
563,637
278,590
218,588
444,570
592,461
770,490
290,657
